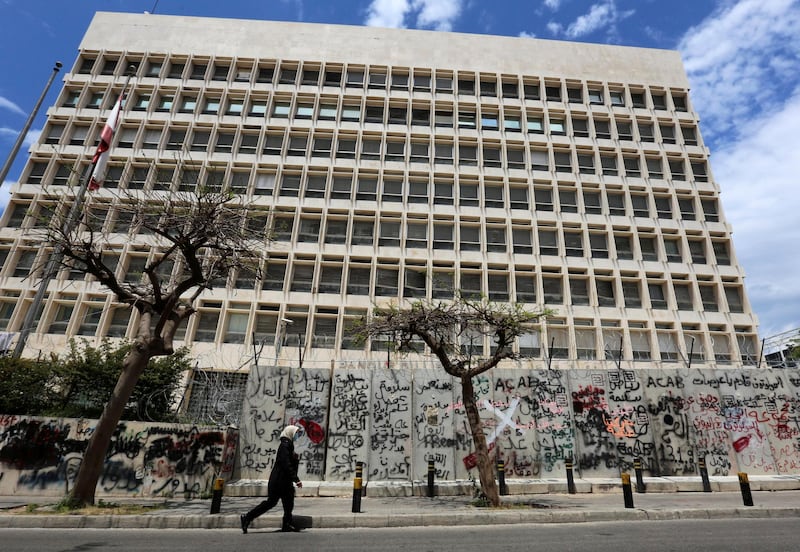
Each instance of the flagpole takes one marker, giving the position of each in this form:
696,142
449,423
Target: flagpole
28,123
57,255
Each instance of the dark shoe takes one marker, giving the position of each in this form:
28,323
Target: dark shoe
244,522
289,528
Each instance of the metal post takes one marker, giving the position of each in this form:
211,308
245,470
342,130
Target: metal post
431,476
501,477
570,476
58,253
24,132
627,492
216,496
637,467
744,485
701,464
357,484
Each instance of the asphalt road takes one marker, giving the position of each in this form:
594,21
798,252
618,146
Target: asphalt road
708,535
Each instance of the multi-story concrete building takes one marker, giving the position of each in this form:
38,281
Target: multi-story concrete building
390,165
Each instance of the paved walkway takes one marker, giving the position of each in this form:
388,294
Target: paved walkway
336,512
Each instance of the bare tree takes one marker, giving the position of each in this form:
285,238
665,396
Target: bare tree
205,233
449,329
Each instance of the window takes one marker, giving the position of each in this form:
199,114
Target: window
580,127
640,345
676,169
522,241
573,244
563,161
288,75
235,106
188,104
624,130
282,227
697,249
96,100
377,79
466,119
418,192
71,98
416,235
324,333
60,320
686,205
395,150
596,96
623,246
243,74
659,100
414,282
498,287
374,114
605,293
467,155
346,148
645,131
302,278
471,285
236,327
640,205
543,198
609,165
574,94
290,185
495,238
667,344
274,275
330,280
258,107
734,297
389,233
568,200
488,88
309,230
444,84
399,81
198,71
598,245
553,93
617,97
342,187
672,247
525,284
332,78
370,148
165,103
176,70
709,297
265,184
335,231
489,121
362,232
540,160
398,115
721,253
355,78
586,163
281,109
200,139
321,148
647,245
683,296
443,193
358,280
548,242
443,236
602,129
420,152
366,189
689,135
392,191
579,290
630,292
679,101
616,203
470,239
468,195
552,290
591,202
699,171
535,124
632,169
667,133
443,119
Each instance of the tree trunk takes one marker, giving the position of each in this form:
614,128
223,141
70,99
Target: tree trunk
485,470
93,459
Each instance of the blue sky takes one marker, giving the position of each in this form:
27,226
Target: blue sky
742,57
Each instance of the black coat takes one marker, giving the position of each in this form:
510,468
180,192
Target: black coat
284,472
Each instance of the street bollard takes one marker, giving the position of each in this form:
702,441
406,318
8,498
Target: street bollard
431,475
501,477
637,468
627,492
216,495
570,476
701,465
357,484
744,485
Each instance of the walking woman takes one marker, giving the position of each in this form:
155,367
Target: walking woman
281,482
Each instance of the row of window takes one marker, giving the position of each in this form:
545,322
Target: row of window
462,83
512,122
327,330
384,280
397,188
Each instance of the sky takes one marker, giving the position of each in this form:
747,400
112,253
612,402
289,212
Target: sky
742,58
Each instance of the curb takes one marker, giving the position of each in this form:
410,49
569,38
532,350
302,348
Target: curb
353,521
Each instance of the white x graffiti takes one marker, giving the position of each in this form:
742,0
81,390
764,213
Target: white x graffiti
505,418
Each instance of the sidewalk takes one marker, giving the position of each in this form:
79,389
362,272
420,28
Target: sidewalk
335,512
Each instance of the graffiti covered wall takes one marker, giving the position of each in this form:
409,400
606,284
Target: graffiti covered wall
396,420
41,456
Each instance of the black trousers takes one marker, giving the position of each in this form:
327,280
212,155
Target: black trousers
286,497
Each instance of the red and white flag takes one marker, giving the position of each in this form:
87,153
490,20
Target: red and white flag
101,155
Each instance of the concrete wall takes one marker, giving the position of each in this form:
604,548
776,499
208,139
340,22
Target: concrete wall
41,456
394,421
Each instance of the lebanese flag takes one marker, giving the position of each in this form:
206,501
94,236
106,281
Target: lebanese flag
101,155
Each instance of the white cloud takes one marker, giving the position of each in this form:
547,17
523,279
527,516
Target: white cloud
552,4
526,34
5,194
435,14
11,135
387,13
758,177
11,106
602,15
438,14
738,62
741,60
